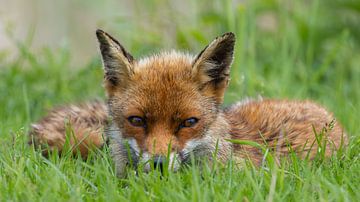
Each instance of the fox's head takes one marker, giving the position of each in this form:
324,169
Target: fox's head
169,103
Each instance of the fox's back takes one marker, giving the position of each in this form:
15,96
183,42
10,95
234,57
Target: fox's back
280,124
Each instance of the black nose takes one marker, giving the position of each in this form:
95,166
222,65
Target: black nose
159,162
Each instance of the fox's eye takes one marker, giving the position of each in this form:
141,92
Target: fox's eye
189,122
137,121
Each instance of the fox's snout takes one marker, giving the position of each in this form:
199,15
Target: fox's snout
160,146
154,154
159,162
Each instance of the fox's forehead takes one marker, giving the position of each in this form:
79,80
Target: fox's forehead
164,97
162,86
166,64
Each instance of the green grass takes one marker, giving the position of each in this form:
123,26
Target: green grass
312,52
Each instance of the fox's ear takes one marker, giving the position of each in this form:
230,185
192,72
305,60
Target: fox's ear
211,68
118,63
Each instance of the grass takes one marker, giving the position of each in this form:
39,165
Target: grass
302,55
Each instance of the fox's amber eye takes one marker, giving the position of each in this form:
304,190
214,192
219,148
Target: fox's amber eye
137,121
189,122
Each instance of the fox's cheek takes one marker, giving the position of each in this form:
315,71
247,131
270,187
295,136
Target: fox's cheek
187,134
133,143
133,132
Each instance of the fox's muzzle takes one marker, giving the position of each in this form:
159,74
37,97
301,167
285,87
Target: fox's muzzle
159,162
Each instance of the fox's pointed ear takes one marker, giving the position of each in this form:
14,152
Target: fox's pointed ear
211,68
118,63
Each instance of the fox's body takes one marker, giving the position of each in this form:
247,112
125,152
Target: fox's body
170,103
84,122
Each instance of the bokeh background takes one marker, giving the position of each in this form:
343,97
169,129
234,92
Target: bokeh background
285,49
72,24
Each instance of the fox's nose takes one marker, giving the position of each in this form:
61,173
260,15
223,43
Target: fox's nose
159,162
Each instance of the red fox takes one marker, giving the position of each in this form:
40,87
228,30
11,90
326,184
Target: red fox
171,104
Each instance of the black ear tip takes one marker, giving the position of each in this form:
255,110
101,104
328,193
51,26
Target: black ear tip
229,36
99,31
100,34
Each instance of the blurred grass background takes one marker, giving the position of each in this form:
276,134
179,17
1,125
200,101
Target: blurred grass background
285,49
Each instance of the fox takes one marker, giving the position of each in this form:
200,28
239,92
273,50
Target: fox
169,107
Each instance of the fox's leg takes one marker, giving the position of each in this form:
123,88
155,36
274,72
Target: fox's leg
79,125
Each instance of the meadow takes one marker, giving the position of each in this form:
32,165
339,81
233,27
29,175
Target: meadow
285,49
